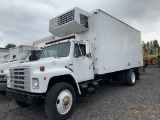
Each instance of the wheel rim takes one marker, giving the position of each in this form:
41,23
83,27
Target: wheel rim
133,78
64,101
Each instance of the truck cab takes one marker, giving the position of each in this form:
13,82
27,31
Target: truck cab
59,63
61,57
25,56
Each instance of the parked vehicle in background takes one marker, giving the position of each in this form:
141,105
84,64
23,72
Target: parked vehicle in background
150,55
13,52
93,47
41,42
20,54
25,56
4,61
3,52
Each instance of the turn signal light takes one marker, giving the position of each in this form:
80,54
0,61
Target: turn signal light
2,71
42,68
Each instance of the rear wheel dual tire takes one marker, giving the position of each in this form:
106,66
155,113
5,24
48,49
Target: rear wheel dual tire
60,101
123,78
128,78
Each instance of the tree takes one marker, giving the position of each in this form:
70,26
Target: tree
155,44
10,46
151,44
148,44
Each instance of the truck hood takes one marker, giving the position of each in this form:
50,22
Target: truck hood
46,62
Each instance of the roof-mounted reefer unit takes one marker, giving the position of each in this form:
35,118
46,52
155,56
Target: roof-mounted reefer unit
71,22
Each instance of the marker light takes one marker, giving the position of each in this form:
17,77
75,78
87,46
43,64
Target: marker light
2,71
41,68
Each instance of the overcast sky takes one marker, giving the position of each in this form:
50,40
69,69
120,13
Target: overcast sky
25,21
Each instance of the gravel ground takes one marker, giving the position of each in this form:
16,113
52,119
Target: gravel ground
111,102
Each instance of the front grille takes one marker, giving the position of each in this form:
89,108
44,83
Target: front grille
65,18
20,78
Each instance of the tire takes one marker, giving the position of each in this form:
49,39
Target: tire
21,104
131,77
137,73
145,64
158,64
55,107
123,78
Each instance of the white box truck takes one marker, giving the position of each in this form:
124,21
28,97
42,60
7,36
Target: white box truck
3,52
93,47
20,54
41,42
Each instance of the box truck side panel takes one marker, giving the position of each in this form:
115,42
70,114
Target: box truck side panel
119,45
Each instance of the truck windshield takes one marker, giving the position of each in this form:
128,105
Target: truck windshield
38,54
57,50
22,56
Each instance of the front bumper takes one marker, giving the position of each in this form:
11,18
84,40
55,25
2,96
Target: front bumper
29,98
3,82
3,86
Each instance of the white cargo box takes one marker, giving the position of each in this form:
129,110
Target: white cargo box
116,46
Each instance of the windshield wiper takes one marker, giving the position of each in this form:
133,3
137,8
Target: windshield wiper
13,60
56,56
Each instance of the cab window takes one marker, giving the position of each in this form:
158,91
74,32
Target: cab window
79,50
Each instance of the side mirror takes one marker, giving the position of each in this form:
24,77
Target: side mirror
75,55
87,47
14,56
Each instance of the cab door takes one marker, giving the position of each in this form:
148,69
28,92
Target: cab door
82,65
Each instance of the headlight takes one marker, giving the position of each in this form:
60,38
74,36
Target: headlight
3,78
35,83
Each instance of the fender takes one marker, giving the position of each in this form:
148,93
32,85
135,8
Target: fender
50,73
66,71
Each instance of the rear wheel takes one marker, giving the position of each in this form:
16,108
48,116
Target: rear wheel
22,104
123,78
60,101
131,77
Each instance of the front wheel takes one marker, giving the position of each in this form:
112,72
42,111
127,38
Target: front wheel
60,101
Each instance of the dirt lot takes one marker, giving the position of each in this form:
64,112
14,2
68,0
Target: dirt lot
111,102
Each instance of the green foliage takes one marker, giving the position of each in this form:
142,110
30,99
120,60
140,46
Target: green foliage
155,44
151,44
148,44
10,46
